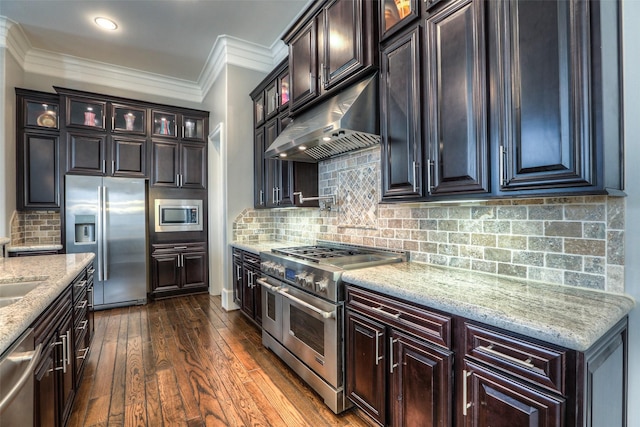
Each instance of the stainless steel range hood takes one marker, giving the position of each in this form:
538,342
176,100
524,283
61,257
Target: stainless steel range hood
346,122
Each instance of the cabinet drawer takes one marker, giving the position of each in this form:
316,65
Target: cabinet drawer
537,363
431,326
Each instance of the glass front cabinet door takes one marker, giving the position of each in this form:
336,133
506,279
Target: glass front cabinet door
85,113
128,119
164,124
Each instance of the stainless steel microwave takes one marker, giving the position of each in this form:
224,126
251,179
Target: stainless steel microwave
178,215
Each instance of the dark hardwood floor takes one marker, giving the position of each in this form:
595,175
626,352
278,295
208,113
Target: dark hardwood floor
187,362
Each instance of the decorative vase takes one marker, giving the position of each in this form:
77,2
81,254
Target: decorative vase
89,118
129,120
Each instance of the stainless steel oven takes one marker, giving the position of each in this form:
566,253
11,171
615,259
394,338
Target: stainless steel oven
308,326
303,309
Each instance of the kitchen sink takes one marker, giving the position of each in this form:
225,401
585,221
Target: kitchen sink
14,291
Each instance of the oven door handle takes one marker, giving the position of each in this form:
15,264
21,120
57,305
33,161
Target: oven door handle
262,281
324,314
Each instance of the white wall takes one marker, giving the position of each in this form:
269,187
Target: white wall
12,73
631,62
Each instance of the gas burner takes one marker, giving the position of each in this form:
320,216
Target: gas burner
318,253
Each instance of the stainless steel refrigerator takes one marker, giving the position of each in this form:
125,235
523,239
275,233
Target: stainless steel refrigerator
107,216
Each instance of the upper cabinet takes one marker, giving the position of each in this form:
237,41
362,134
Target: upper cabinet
541,76
332,44
110,136
520,98
275,181
37,150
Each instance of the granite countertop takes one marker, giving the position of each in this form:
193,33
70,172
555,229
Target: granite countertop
55,271
33,247
564,315
257,247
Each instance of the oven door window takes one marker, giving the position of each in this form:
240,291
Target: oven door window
312,337
307,329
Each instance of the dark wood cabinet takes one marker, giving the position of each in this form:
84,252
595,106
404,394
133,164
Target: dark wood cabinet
401,114
366,362
410,365
86,153
64,327
276,181
333,43
54,389
178,164
129,157
456,125
37,151
178,268
395,371
247,292
421,382
541,76
520,100
495,400
302,64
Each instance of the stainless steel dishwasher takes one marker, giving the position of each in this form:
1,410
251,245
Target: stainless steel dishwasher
17,366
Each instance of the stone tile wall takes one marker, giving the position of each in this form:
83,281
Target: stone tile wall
36,227
577,241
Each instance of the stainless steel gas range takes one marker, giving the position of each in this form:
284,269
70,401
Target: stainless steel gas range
303,309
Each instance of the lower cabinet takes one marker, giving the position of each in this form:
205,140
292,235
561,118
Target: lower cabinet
247,290
409,366
178,268
61,329
395,372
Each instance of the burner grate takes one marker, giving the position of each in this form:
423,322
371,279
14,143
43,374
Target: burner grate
317,253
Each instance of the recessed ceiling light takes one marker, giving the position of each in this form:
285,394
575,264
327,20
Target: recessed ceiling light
105,23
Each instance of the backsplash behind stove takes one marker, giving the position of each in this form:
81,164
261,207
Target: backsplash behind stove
576,241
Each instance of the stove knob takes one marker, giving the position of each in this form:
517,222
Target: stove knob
321,286
308,281
300,278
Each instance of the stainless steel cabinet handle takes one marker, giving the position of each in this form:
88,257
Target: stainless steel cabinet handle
430,166
84,355
381,311
378,357
82,305
416,165
177,180
63,343
503,155
322,82
391,364
104,166
113,123
273,195
310,81
489,349
178,248
68,346
465,405
113,167
34,357
83,325
261,197
90,297
238,274
80,284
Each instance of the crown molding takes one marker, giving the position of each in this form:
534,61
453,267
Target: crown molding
13,38
83,70
229,50
226,50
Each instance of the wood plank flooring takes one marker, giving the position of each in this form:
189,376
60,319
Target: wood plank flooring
187,362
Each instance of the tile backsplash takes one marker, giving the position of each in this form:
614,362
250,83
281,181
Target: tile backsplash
35,228
576,241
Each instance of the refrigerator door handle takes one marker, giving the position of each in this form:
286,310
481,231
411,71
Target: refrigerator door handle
105,261
99,235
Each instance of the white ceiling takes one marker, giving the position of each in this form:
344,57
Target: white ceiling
172,38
